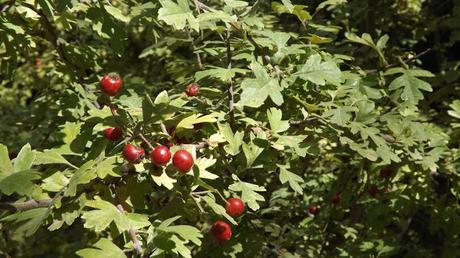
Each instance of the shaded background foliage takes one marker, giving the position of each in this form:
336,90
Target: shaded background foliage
49,72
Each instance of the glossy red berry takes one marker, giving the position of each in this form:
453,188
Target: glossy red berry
221,231
182,161
160,155
133,154
111,84
335,199
385,172
234,207
313,209
192,89
113,133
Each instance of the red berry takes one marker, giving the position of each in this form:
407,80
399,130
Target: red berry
313,209
373,190
133,154
160,155
335,199
385,172
111,84
192,89
234,207
221,231
113,134
183,161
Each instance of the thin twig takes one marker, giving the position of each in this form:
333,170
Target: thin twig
194,48
163,129
131,231
201,145
230,94
406,61
146,141
305,122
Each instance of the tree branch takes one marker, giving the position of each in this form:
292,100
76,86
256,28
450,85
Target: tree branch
23,206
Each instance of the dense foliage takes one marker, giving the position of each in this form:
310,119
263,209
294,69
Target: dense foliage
335,122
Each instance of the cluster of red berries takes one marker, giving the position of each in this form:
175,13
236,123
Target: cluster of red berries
161,155
221,230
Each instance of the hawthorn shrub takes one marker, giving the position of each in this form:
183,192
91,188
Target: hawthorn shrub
191,128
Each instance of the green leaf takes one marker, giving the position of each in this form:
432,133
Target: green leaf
186,232
50,157
47,8
162,98
215,16
33,220
340,115
55,182
319,72
19,182
116,13
411,85
108,167
137,221
83,175
177,14
189,121
251,152
223,74
235,4
293,179
71,132
5,164
203,164
248,192
274,118
234,140
25,159
164,180
103,214
104,248
330,3
218,209
256,91
362,149
455,112
291,141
